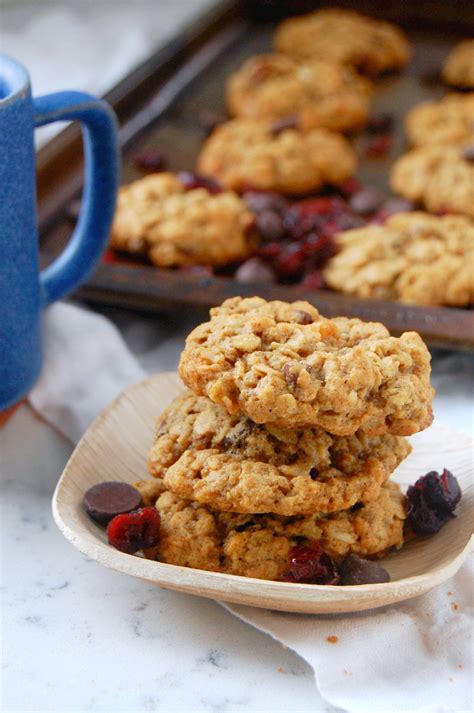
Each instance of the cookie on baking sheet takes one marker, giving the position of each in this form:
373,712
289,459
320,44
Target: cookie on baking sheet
158,216
415,258
229,463
285,364
317,94
458,68
193,535
371,46
447,121
250,153
440,177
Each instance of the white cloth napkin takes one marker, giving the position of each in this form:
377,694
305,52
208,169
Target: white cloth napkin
412,657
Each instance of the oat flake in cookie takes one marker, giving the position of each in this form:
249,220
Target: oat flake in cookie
285,364
227,462
193,535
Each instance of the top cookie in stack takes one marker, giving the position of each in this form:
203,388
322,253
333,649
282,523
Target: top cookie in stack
287,365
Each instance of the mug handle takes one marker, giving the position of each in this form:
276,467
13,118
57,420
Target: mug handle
99,128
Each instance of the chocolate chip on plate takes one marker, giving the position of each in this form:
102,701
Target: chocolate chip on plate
105,500
355,570
254,270
270,226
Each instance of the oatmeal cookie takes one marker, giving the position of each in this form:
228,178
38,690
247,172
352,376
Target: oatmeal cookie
245,153
285,364
447,121
229,463
441,177
174,226
458,68
316,94
371,46
259,545
415,258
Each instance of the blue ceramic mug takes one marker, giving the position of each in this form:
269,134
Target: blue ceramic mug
24,290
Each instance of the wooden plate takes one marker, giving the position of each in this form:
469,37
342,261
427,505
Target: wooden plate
115,448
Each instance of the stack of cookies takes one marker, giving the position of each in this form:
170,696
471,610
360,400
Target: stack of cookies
288,435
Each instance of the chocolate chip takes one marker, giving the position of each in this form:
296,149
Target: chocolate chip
259,201
105,500
287,122
303,317
290,374
314,473
355,570
292,458
468,154
366,201
270,226
254,270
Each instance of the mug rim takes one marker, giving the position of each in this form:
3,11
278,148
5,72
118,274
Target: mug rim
14,78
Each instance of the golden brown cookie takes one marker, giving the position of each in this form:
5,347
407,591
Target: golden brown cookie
259,545
229,463
174,226
371,46
447,121
415,258
285,364
458,68
316,94
245,153
440,177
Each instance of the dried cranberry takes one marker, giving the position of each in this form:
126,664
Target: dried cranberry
313,280
270,251
355,570
309,564
255,270
432,501
378,146
286,122
260,201
135,530
105,500
350,186
270,226
191,181
311,215
367,200
289,262
380,124
151,161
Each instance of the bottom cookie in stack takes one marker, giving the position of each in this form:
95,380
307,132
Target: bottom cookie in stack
260,545
236,497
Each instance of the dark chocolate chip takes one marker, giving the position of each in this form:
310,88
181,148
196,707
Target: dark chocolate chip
468,154
254,270
366,201
105,500
303,317
287,122
270,226
355,570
